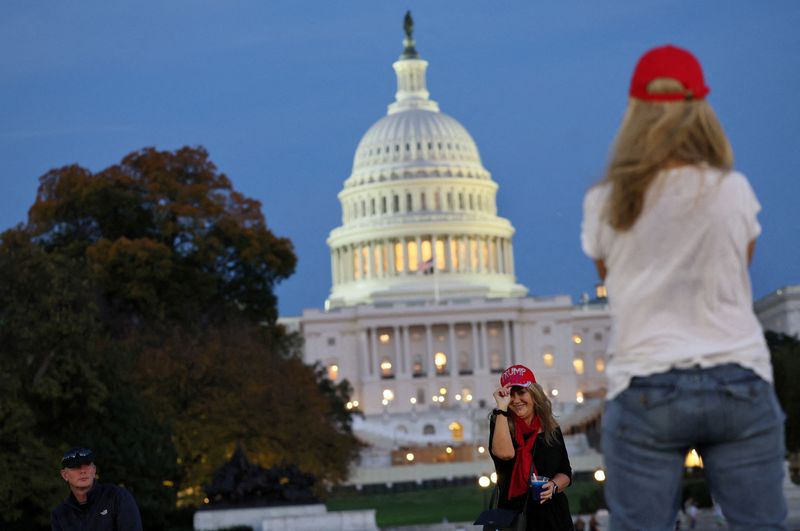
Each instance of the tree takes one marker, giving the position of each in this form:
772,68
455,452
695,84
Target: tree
138,315
166,238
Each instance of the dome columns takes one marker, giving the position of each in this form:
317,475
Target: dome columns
421,255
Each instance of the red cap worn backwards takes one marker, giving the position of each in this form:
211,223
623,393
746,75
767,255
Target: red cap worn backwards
672,62
517,375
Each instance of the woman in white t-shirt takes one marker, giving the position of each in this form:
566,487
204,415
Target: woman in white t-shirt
672,229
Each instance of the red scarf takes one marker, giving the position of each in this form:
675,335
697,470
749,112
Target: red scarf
525,438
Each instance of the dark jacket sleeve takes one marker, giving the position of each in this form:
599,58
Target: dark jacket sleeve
128,518
564,465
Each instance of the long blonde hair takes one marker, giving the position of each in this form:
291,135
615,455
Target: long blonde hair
543,408
653,134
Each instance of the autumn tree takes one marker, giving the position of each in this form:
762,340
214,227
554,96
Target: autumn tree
138,313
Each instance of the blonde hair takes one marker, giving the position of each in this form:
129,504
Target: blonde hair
543,408
654,134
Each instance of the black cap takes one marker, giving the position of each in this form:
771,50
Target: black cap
75,457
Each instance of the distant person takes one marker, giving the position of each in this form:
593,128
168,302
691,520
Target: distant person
580,525
524,436
672,228
594,525
691,512
92,506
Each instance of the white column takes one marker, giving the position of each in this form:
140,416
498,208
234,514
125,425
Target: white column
507,357
405,256
484,346
429,356
476,357
334,268
448,256
366,359
371,260
392,272
517,329
453,357
399,355
373,343
406,350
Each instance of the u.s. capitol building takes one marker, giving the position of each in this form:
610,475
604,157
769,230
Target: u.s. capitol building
425,310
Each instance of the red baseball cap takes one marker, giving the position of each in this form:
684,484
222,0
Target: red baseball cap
673,62
518,376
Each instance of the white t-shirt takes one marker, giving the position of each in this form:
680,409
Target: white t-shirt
678,286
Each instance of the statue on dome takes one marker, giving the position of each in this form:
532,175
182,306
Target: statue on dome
409,51
408,24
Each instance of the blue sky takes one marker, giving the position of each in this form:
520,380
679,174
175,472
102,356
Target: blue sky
280,93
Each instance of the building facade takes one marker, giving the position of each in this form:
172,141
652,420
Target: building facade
780,310
425,311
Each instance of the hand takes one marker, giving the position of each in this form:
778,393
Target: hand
547,492
502,395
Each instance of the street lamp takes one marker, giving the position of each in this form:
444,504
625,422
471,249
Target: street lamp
484,483
599,475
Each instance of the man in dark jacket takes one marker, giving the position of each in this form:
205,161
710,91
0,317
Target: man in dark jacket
92,506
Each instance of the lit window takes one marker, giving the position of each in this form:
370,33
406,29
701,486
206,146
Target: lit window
578,364
333,371
384,338
548,359
386,367
398,257
577,339
600,291
456,432
440,361
600,365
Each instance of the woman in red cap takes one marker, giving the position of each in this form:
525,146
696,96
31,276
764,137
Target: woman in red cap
672,229
524,438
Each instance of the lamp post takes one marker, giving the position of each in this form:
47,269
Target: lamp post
484,483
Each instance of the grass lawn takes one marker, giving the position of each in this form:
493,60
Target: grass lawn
432,505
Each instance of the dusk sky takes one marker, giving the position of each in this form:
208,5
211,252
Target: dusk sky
280,93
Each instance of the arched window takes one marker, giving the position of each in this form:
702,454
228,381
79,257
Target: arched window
428,429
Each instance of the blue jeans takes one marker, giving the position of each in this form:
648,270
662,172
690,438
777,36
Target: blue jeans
733,419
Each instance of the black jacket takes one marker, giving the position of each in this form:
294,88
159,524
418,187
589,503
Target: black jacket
550,460
107,508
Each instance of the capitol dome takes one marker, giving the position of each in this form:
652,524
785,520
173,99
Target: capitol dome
419,216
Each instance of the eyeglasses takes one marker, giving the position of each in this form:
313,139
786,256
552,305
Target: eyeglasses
79,452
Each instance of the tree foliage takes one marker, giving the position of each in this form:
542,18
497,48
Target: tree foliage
138,315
